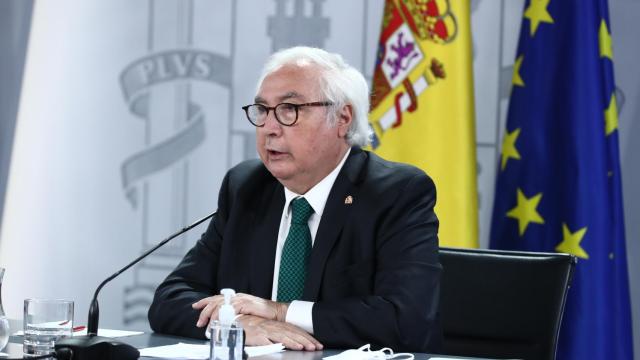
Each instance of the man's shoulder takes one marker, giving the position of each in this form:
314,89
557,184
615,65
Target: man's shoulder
246,181
383,171
248,168
387,185
249,172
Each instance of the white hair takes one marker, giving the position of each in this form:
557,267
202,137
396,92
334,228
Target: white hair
339,82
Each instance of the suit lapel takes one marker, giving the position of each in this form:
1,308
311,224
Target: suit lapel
264,241
335,213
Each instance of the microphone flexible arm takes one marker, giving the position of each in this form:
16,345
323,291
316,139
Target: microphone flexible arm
94,311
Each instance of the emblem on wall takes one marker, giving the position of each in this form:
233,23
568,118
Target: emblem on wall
159,89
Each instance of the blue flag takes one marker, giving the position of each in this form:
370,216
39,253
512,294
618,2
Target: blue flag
559,183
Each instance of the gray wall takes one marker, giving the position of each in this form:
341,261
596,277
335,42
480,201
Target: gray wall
625,29
15,20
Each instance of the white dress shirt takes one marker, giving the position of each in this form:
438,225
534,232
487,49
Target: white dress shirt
299,312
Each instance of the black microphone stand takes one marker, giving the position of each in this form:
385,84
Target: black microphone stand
94,347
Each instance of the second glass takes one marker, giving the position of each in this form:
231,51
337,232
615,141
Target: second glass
45,322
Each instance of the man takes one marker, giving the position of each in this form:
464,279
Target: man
326,244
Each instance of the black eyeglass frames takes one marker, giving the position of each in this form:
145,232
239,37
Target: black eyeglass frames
286,113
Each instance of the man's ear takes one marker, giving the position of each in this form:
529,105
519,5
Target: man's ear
344,119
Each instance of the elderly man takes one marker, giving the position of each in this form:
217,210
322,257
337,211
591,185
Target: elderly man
326,244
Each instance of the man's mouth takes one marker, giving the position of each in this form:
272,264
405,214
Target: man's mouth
275,152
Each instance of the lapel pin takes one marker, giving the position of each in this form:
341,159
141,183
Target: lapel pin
348,200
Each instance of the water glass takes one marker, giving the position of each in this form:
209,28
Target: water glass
45,322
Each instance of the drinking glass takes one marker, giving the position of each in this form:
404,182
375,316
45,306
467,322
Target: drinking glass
45,322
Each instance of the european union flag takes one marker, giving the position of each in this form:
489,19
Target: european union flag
559,184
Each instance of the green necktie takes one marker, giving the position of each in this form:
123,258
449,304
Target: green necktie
295,253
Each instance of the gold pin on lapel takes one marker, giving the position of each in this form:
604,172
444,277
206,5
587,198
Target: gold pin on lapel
348,200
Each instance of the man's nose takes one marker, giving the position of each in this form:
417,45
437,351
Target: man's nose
271,124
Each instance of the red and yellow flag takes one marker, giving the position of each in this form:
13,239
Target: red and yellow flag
422,105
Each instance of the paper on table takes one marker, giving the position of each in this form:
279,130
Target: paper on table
177,351
195,351
264,349
102,332
110,333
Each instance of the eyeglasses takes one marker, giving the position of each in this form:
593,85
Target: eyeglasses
286,113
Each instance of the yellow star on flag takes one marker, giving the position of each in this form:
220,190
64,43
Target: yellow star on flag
525,212
536,13
604,38
509,150
517,79
571,242
611,116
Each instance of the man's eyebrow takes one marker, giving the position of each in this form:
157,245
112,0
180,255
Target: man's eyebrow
287,96
291,95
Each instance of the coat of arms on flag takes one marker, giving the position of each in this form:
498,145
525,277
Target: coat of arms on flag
405,25
422,104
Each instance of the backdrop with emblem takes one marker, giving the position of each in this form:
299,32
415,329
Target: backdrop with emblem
129,115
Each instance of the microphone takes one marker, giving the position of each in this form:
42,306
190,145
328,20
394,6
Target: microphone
94,347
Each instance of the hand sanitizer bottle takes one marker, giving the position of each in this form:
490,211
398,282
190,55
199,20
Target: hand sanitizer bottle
226,333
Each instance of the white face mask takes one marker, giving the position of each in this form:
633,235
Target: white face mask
365,353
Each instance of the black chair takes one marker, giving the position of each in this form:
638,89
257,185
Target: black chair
503,304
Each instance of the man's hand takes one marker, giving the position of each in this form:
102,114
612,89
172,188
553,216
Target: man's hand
243,304
253,305
261,331
209,309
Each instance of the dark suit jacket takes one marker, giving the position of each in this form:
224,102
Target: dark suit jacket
374,273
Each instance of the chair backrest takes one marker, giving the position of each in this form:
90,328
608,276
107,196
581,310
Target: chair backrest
503,304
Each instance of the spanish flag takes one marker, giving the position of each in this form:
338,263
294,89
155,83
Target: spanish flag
422,105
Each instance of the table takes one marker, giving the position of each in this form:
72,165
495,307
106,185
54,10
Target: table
14,348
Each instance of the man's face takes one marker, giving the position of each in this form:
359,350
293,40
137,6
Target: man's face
301,155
